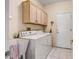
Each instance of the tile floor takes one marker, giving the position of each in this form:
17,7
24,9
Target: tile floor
60,53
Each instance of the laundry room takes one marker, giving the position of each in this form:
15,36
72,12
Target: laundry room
39,29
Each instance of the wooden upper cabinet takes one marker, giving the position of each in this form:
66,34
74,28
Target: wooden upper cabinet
44,18
25,12
32,14
28,12
39,16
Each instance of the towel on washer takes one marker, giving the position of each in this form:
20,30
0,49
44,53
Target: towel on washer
14,50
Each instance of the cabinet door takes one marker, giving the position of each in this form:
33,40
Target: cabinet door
39,16
32,13
44,18
25,12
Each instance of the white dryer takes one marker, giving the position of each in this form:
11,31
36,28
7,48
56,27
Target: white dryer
39,46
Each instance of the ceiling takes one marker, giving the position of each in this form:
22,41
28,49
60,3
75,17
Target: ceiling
46,2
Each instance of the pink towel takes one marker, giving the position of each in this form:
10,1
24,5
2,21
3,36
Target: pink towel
14,51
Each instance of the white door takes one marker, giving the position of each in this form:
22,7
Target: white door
64,30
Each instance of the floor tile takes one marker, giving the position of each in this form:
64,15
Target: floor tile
60,53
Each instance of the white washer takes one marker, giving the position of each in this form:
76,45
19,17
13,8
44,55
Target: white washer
40,44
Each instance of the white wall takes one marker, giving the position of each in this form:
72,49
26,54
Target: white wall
59,7
15,17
